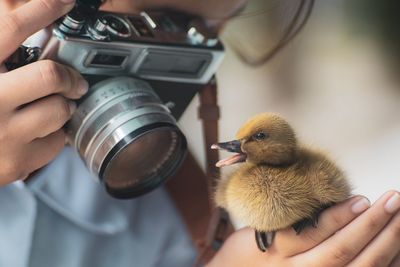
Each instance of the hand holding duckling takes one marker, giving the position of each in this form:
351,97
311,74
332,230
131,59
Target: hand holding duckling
280,183
350,233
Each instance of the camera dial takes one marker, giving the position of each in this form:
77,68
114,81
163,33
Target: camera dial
99,30
117,26
72,23
75,20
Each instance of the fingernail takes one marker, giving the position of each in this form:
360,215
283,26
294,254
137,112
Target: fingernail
67,1
360,205
393,204
72,107
83,87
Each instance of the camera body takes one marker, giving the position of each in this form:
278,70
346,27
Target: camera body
122,129
149,45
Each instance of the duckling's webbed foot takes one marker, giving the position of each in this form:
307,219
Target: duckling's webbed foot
264,240
312,221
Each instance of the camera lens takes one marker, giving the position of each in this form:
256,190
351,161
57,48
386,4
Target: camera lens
117,26
155,153
127,137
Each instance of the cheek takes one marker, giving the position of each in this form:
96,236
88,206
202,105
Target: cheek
246,147
122,6
251,148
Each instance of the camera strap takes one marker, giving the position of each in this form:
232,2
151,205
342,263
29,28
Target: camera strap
219,227
24,55
192,189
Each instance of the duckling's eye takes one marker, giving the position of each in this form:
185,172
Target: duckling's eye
260,136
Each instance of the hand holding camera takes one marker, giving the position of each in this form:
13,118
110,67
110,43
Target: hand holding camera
127,137
35,98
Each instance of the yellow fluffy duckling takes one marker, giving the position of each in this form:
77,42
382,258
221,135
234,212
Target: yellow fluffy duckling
279,183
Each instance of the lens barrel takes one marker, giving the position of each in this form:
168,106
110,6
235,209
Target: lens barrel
126,136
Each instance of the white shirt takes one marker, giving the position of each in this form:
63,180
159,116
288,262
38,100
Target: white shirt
62,217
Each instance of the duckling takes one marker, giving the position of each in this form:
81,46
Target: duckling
279,182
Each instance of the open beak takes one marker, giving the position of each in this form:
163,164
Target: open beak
231,146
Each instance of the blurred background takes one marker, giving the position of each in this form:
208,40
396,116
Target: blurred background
336,83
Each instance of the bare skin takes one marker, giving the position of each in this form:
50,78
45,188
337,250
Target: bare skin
34,104
35,99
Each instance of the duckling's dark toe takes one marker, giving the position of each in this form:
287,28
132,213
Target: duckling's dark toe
264,240
301,225
313,221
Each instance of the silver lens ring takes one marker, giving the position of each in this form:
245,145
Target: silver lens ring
104,103
126,136
104,140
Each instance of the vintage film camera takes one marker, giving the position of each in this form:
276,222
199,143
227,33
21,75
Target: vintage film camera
122,129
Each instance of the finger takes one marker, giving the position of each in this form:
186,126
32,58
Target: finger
347,243
38,80
41,118
396,261
22,22
288,243
383,249
43,150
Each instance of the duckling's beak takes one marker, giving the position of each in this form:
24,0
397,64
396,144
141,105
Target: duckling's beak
232,146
